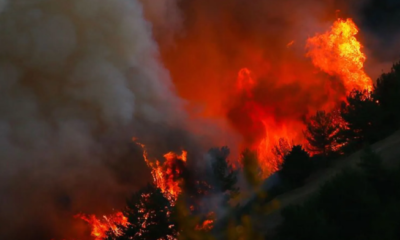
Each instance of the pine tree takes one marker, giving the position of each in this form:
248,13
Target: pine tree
387,94
225,177
363,118
296,166
321,133
149,216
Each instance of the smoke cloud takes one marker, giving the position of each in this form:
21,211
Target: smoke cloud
78,80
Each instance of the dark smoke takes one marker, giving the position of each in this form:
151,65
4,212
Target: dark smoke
78,80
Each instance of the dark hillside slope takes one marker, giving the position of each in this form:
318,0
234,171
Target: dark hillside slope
388,149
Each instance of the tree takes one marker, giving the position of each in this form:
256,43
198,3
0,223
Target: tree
363,118
225,177
321,133
281,149
353,205
149,216
387,93
296,166
251,169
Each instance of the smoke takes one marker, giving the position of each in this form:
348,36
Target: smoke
165,17
378,21
78,80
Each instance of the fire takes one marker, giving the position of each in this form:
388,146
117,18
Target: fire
101,226
338,53
271,125
207,224
166,176
271,132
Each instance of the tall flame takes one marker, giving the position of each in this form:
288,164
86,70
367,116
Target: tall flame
338,53
275,133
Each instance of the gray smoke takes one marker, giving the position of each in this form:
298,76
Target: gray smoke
78,80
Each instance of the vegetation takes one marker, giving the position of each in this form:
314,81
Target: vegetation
355,204
321,133
149,216
296,166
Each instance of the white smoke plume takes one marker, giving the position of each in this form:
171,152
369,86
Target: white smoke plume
78,79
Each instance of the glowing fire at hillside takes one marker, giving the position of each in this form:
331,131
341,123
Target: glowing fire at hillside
166,178
338,53
101,226
265,125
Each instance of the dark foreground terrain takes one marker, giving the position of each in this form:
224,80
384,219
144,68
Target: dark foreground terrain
388,149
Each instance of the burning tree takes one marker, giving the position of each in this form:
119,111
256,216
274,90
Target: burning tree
149,217
281,150
111,224
321,133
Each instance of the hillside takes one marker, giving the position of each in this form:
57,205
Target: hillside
389,149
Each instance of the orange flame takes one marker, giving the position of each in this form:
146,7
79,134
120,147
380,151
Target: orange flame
166,176
273,131
338,53
207,224
100,227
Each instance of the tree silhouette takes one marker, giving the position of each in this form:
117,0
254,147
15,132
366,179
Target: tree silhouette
363,117
225,177
149,216
387,94
251,169
321,133
296,166
354,204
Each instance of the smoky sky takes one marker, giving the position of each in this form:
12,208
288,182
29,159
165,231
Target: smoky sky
78,80
381,18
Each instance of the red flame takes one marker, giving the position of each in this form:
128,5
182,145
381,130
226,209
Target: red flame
207,224
336,52
166,176
101,226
